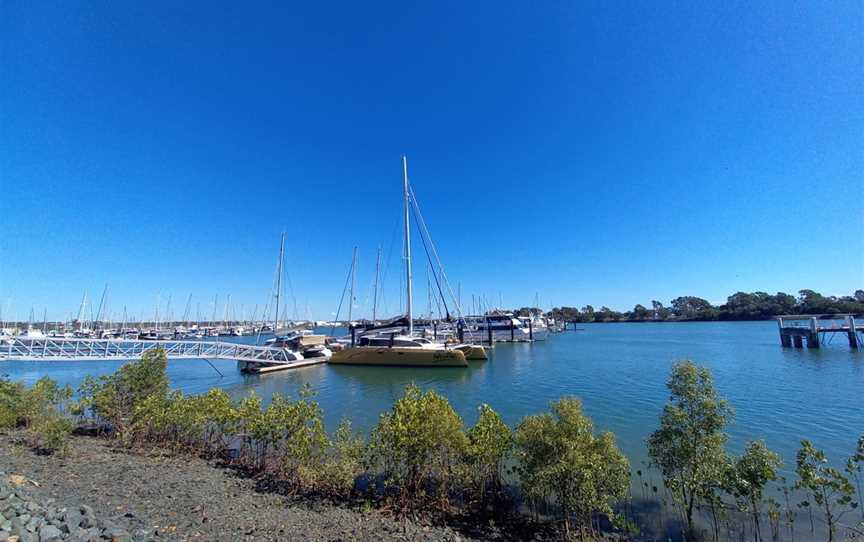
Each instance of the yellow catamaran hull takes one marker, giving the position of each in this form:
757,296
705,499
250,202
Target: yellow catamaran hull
396,356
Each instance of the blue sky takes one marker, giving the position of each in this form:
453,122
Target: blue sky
604,153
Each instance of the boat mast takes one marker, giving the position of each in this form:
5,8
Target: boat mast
279,280
353,282
408,299
375,297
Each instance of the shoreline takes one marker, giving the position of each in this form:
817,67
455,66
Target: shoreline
155,494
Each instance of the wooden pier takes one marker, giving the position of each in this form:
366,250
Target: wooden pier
795,330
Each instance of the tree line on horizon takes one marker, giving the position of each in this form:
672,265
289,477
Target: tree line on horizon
738,306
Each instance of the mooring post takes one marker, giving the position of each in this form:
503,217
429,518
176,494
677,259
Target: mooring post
852,333
353,334
435,329
460,330
489,330
813,336
512,331
798,341
531,329
784,338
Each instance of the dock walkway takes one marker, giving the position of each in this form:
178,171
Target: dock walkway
813,328
62,349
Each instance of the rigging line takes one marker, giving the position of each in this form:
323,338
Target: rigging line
435,252
388,259
429,257
344,289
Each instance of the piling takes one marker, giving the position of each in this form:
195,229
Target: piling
852,333
785,340
813,336
531,329
353,336
512,331
798,341
489,331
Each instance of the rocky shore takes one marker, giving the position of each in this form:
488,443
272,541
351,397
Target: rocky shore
99,492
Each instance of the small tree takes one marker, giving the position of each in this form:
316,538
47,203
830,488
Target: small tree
561,457
831,491
489,442
689,445
418,444
750,474
344,461
854,466
113,398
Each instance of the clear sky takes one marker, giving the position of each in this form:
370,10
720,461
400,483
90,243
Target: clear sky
603,153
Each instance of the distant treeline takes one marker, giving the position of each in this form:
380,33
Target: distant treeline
738,306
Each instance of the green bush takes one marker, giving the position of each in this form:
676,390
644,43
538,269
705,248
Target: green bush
52,435
113,399
11,394
562,458
489,442
418,445
344,461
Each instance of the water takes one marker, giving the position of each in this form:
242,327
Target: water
617,370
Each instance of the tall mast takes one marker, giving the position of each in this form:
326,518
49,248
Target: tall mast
353,281
279,280
375,297
408,299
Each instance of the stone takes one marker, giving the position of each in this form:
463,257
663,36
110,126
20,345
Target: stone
4,536
47,532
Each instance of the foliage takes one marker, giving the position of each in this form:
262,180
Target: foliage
561,457
738,306
854,467
10,403
489,442
417,446
830,489
51,435
749,476
113,399
689,445
344,461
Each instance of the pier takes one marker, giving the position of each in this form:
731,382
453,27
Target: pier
795,330
61,349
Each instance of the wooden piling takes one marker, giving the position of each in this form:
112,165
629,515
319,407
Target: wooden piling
798,341
530,329
512,331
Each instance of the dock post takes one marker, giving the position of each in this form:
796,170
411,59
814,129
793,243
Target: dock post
435,329
489,331
353,335
512,331
853,334
785,340
531,329
798,340
813,336
460,331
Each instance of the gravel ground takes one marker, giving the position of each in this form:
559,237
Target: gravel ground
153,497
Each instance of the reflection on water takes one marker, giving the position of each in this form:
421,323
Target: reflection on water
618,370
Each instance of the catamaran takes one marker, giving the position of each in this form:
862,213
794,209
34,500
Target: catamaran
393,348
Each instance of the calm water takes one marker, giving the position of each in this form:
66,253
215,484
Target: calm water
618,370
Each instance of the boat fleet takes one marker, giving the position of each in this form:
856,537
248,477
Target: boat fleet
402,341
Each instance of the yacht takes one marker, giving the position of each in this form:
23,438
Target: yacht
378,347
505,327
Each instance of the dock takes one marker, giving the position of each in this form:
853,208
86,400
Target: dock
268,358
795,330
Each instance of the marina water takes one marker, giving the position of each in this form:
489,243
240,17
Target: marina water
779,394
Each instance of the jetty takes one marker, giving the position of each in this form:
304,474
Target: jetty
819,329
268,358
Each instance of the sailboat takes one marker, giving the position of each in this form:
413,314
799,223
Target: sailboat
395,349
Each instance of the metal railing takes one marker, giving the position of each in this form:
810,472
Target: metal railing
51,348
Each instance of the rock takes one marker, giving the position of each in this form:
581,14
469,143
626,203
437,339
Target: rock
47,532
4,536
